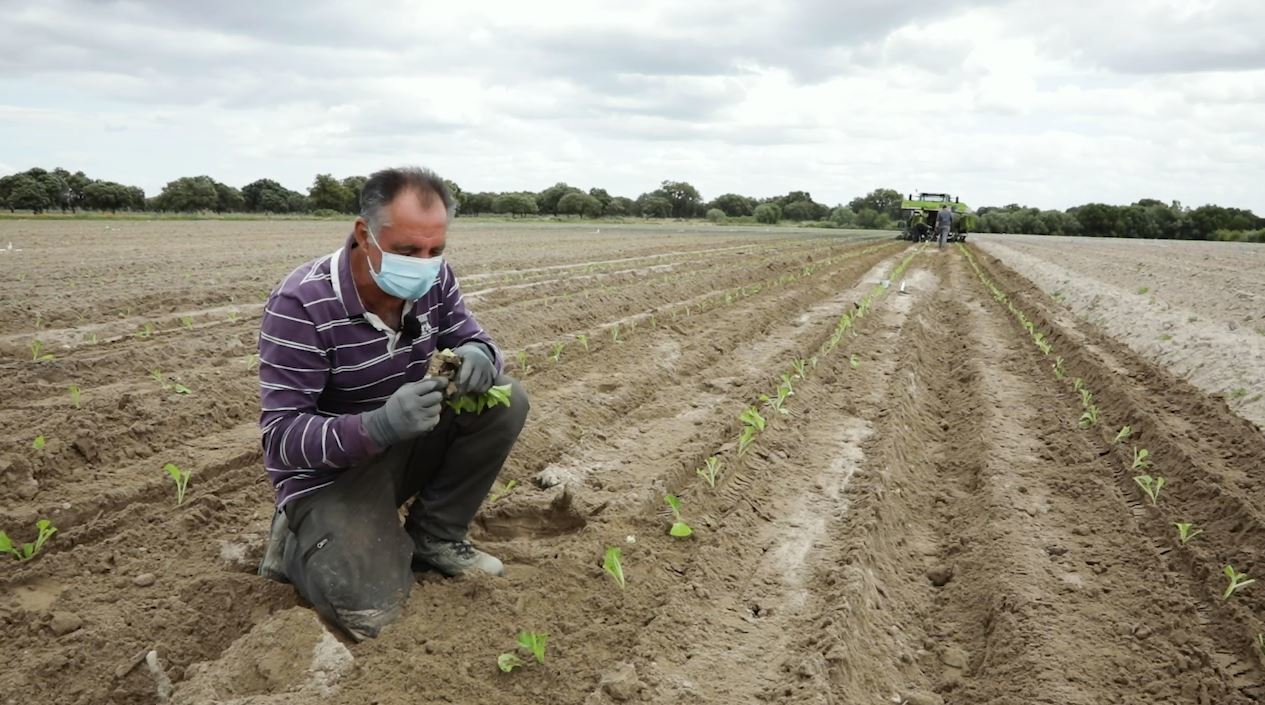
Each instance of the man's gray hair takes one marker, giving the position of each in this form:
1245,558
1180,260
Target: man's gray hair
383,186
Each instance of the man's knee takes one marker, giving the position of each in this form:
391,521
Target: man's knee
519,402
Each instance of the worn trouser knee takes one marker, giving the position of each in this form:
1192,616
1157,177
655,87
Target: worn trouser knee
351,560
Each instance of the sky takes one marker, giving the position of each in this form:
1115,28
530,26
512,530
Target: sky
1045,103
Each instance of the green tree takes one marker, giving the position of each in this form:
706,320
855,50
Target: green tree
477,203
602,197
516,204
734,205
353,184
802,210
581,204
27,193
716,215
547,200
882,200
228,199
189,193
683,197
842,217
651,205
328,193
620,205
768,213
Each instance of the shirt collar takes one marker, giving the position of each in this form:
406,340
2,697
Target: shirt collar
344,284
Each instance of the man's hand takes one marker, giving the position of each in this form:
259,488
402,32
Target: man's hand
412,411
477,371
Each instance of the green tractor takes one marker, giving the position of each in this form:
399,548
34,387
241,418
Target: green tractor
918,217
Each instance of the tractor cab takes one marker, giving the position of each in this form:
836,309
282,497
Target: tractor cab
918,217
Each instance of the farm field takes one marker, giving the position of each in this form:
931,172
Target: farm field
927,523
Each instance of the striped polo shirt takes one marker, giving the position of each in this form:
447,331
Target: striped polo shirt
324,360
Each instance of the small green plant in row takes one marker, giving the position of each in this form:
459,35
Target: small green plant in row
27,551
533,643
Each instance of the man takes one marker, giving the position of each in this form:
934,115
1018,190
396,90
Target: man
944,221
352,431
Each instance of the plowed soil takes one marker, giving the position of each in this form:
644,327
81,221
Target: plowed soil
926,524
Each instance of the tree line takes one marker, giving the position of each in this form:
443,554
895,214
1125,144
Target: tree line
40,190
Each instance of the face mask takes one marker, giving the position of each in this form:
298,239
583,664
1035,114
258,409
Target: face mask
407,278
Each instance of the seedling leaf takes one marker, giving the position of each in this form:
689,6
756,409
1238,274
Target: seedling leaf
508,661
611,564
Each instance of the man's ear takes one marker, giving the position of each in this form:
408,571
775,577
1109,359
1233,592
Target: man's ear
360,233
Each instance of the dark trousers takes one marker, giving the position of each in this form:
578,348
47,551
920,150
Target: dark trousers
350,557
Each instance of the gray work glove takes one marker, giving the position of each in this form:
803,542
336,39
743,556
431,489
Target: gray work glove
477,371
412,411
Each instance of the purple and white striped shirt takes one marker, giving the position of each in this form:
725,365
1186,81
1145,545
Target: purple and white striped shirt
324,360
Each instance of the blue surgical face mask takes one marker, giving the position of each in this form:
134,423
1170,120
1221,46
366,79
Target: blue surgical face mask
407,278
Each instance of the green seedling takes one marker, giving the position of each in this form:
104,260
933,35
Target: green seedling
1140,456
788,380
774,403
523,367
1151,485
535,642
27,551
91,338
74,395
584,341
751,418
146,331
158,376
508,661
1260,644
186,321
38,443
1238,581
556,355
1143,290
613,567
501,492
745,439
1125,432
1087,397
1059,372
1089,417
1184,532
852,360
679,528
180,477
710,471
812,362
800,366
1078,383
232,316
615,334
478,403
252,362
37,352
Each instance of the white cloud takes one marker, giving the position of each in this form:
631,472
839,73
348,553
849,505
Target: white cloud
1051,104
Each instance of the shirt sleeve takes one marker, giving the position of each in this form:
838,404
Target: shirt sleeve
458,324
293,371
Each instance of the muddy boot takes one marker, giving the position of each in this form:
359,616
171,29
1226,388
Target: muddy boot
273,564
453,557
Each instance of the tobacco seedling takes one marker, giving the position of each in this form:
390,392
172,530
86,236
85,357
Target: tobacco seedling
499,493
1078,383
751,418
584,341
1151,485
535,642
1260,644
146,331
180,477
498,395
556,355
523,367
1089,417
710,471
1059,373
775,403
613,567
800,366
1140,458
186,321
27,551
1238,581
1125,432
232,316
37,352
852,360
679,528
38,443
1184,533
1087,398
615,334
74,395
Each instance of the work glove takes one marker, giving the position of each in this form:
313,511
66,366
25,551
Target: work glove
410,412
477,371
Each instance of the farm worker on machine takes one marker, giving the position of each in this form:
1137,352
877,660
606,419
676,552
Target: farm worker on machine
944,222
353,429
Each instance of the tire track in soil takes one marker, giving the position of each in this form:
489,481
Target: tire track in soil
976,481
227,502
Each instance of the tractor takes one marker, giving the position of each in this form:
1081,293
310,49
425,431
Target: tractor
918,217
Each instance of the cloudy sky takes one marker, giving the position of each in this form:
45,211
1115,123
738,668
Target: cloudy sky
1050,103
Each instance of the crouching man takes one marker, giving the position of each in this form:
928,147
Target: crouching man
351,428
